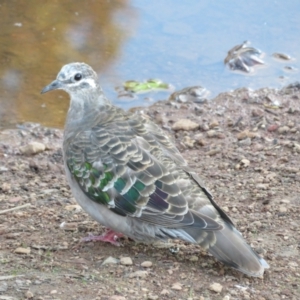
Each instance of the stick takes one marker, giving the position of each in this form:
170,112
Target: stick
14,208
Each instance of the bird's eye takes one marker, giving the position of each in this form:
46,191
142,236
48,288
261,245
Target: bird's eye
78,76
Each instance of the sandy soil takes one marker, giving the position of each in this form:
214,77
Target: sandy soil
246,146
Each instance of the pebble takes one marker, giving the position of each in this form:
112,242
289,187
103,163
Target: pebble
152,297
282,209
272,127
245,142
110,260
126,261
216,287
185,124
29,294
146,264
3,287
165,292
53,292
257,112
245,162
211,133
193,258
213,123
138,274
177,286
283,129
21,250
117,297
32,148
187,141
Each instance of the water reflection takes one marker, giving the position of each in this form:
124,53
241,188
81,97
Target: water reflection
182,43
39,37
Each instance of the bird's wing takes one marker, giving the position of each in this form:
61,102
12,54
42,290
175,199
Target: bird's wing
133,168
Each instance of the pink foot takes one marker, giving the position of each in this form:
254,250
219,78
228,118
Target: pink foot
109,236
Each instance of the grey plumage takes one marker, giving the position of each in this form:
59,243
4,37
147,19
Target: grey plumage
129,176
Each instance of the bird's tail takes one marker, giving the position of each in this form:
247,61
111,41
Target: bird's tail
228,246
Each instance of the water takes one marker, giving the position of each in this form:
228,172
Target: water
182,43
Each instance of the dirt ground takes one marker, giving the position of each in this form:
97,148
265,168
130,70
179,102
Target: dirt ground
246,146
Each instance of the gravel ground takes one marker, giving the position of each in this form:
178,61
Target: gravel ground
244,144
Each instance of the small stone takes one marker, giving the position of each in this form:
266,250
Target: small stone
187,141
213,151
216,287
245,162
242,135
146,264
117,297
213,123
256,112
73,207
282,209
165,292
6,187
152,297
285,201
138,274
227,297
126,261
32,148
245,142
272,127
29,294
283,129
193,258
177,286
211,133
185,124
53,292
21,250
110,260
3,287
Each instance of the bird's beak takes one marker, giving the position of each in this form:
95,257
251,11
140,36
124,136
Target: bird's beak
54,85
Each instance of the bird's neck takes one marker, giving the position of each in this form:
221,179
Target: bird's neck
86,110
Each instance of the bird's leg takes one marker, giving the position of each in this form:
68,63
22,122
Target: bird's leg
109,236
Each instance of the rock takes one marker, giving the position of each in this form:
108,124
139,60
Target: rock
272,127
213,123
187,141
146,264
3,287
32,148
21,250
165,292
177,286
110,260
245,142
282,209
6,187
138,274
211,133
283,129
216,287
28,294
126,261
117,297
245,162
53,292
185,124
257,112
152,297
193,258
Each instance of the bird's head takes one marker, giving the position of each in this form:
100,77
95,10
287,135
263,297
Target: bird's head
74,78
